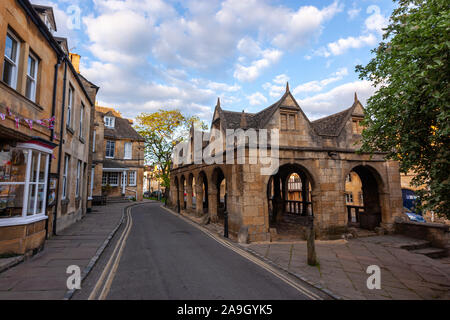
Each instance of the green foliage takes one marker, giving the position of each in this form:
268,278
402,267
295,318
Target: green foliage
162,130
408,117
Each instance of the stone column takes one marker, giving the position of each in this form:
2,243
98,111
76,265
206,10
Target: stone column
189,198
213,203
181,197
199,199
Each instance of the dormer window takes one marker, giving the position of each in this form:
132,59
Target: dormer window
357,126
109,122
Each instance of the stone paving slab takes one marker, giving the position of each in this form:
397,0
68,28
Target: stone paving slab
43,276
343,265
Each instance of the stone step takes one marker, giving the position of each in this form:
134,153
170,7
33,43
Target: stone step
416,245
433,253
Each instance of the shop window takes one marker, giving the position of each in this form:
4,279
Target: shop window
23,183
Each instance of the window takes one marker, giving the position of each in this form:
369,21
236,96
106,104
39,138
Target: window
349,178
132,178
81,120
128,150
93,141
110,148
357,127
283,121
349,197
23,184
11,64
292,122
92,183
69,107
77,190
111,178
109,122
30,91
65,174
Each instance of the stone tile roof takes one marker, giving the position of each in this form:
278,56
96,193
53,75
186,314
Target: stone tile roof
332,125
122,129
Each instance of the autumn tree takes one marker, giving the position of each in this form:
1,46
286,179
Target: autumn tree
162,130
408,117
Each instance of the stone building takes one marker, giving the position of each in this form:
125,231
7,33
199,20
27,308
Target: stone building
151,181
321,153
35,135
118,156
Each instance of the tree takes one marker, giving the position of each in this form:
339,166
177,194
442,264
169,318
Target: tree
408,116
162,130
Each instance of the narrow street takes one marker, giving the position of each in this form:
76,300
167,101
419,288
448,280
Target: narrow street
164,257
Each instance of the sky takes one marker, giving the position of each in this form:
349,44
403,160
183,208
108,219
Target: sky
151,54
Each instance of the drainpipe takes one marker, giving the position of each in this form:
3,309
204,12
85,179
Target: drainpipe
63,108
52,132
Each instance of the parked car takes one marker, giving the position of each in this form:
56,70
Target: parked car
147,194
413,216
156,194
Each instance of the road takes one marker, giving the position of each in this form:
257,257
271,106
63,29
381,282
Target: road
158,255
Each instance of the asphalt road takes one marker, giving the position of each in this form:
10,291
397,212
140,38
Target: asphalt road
167,258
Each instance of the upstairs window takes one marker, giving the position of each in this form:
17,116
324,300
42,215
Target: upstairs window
32,73
69,107
109,122
110,148
349,197
81,120
11,61
128,150
357,126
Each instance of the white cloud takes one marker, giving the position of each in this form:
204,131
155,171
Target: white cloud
281,79
376,21
353,12
344,44
316,86
337,99
256,99
254,70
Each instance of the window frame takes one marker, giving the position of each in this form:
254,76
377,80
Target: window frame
109,149
15,64
32,78
36,157
70,99
65,174
78,179
133,174
81,128
110,122
128,156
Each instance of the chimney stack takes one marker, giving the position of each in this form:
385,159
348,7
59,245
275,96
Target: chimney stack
75,59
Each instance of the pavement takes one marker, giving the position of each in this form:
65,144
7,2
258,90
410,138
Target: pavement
44,276
343,265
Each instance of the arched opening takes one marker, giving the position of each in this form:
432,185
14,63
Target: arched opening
220,183
362,198
203,180
289,198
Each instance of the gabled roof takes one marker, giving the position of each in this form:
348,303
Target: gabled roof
333,124
328,126
122,129
48,11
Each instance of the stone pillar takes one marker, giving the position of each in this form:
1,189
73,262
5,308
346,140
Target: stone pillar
189,198
213,203
181,196
199,199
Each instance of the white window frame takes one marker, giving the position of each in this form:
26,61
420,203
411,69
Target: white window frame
81,120
110,122
65,173
15,63
27,217
69,107
93,140
132,178
106,149
128,154
32,77
78,180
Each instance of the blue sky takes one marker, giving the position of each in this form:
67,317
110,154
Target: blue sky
152,54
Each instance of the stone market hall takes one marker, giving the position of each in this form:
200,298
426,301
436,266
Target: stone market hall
316,160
